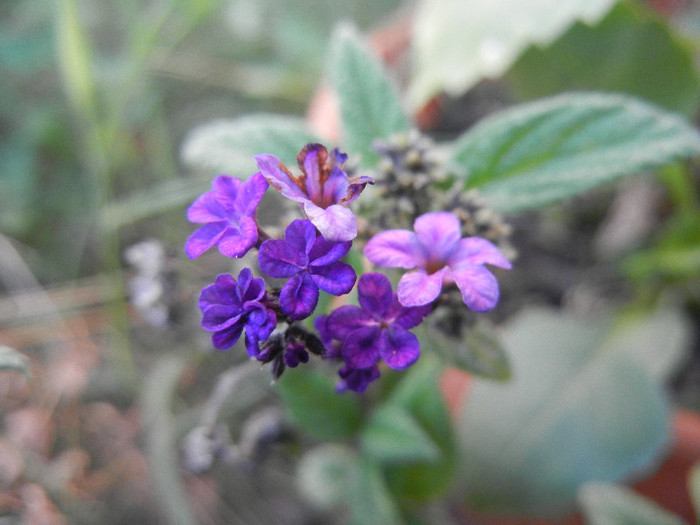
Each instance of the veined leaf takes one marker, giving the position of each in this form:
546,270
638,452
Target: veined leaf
545,151
369,106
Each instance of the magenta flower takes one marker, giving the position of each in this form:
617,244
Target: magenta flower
438,255
376,330
228,215
311,263
323,189
228,306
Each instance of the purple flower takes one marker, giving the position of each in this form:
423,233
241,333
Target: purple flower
228,215
376,330
228,306
323,189
438,255
310,263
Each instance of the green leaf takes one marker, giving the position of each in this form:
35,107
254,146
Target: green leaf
325,472
580,407
605,504
648,62
314,405
479,352
369,106
368,497
456,43
11,359
228,146
545,151
392,435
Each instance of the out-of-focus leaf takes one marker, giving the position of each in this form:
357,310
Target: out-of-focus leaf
369,106
605,504
228,146
479,352
314,405
17,184
545,151
418,394
630,51
459,42
11,359
325,473
368,498
392,435
580,407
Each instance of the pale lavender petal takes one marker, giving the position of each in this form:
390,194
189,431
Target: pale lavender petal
277,258
475,250
218,317
325,252
479,287
344,320
375,294
279,177
227,338
251,193
399,348
206,208
336,278
311,166
360,348
235,242
418,288
335,189
226,190
204,238
395,248
336,223
439,233
301,235
299,296
355,186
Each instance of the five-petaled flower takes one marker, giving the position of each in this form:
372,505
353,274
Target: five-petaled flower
228,214
323,188
376,330
438,255
228,306
310,262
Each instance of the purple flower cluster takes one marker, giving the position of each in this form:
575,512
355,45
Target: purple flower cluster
309,257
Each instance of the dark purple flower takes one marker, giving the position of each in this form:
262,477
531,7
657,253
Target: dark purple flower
438,255
323,188
228,215
310,263
356,379
228,306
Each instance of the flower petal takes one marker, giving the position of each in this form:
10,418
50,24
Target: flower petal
251,193
204,238
324,252
206,208
218,317
277,258
227,338
335,188
227,190
475,250
399,348
374,294
360,348
344,320
439,233
395,248
355,186
299,296
336,223
300,234
311,161
479,287
418,288
236,241
407,317
337,278
278,176
356,379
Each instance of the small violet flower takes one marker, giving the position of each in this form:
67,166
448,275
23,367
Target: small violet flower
376,330
323,189
311,263
228,306
228,215
438,255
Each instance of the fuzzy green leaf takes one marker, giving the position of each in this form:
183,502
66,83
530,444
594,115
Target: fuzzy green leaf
545,151
369,105
11,359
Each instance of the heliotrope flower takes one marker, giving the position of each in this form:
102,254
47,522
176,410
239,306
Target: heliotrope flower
311,263
228,215
323,188
376,330
229,306
438,255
